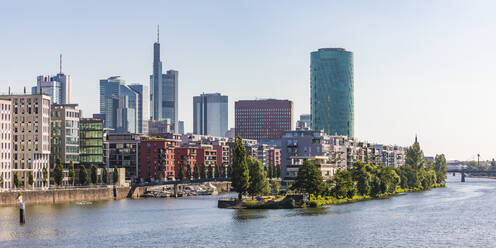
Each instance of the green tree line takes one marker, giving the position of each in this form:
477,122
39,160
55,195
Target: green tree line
374,181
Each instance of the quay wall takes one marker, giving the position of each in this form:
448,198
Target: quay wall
63,195
52,196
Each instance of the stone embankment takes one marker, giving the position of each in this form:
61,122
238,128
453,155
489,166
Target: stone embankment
53,196
63,195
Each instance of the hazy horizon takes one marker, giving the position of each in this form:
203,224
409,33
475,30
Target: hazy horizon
423,67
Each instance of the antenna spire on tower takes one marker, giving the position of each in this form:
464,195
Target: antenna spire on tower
158,33
60,64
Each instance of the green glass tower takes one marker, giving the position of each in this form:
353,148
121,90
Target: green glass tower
331,82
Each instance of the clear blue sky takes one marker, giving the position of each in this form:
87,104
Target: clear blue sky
423,67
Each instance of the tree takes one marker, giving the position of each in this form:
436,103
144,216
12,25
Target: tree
240,174
83,175
343,185
362,176
188,172
409,177
45,175
278,171
217,171
196,172
309,179
275,186
94,176
203,173
391,179
1,181
72,173
210,171
385,181
16,180
180,173
269,171
105,176
58,172
441,168
415,157
31,179
258,178
115,176
229,171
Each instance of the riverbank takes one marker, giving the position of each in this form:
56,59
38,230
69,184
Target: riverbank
295,201
63,195
101,193
423,219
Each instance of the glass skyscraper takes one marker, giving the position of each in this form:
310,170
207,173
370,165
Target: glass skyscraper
210,114
163,91
122,106
331,82
58,87
143,107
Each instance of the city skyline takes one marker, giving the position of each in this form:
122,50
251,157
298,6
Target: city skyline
408,79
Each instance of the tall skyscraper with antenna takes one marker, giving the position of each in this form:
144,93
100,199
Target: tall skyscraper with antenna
163,90
58,87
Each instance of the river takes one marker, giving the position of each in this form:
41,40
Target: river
459,215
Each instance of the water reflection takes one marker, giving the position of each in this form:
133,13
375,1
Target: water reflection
313,211
249,214
446,217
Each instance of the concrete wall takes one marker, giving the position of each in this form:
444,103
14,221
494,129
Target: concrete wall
63,195
83,194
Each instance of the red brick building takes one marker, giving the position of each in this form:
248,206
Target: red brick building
186,156
263,119
274,157
207,156
156,159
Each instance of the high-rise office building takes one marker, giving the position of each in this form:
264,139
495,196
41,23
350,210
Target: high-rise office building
210,115
304,121
180,128
30,138
58,87
122,106
143,107
263,119
331,82
163,91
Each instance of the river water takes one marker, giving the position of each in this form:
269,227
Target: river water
460,215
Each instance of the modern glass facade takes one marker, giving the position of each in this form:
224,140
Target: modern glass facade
331,82
91,141
143,107
58,87
210,114
122,105
163,91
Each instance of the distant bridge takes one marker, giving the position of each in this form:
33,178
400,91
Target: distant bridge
472,172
